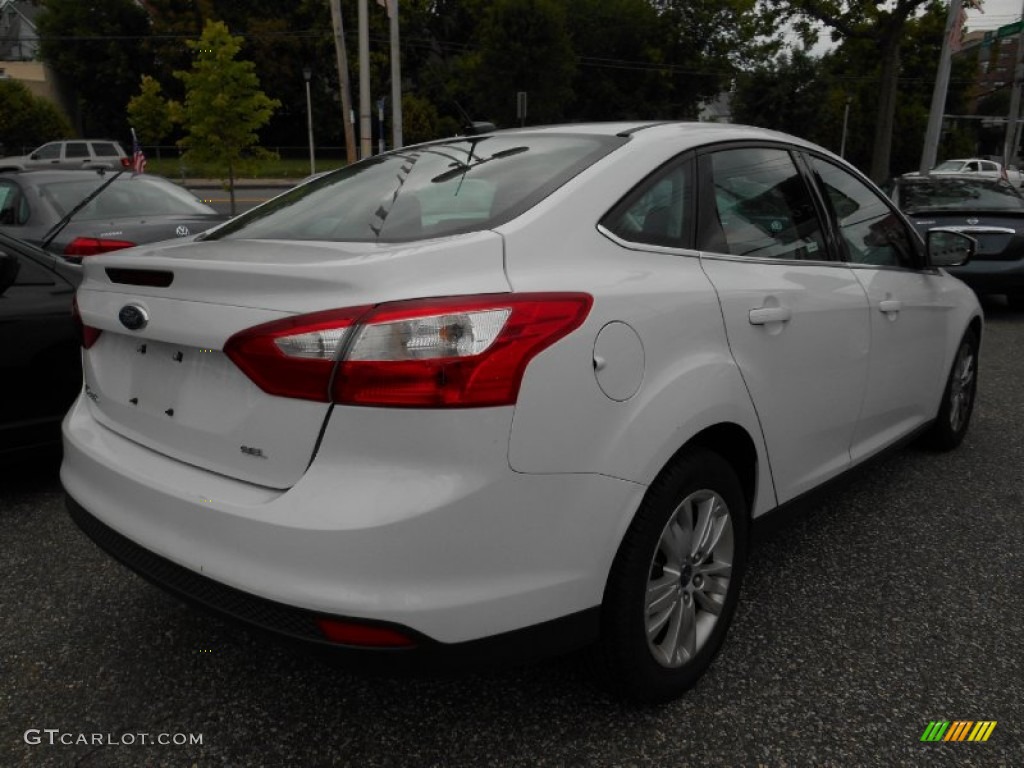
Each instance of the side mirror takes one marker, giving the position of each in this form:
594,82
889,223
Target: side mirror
9,268
949,248
34,156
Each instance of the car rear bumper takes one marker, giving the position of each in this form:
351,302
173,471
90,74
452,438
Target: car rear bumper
991,276
455,547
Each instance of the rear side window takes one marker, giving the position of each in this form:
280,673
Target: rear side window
762,207
462,185
658,211
76,149
104,149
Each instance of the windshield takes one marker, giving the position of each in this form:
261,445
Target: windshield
959,194
129,196
949,165
462,185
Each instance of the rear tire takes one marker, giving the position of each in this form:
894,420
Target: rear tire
954,417
675,580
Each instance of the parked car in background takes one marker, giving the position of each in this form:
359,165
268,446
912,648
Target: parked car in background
40,355
989,210
980,167
514,392
73,154
133,209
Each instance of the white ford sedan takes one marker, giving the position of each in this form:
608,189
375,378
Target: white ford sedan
514,392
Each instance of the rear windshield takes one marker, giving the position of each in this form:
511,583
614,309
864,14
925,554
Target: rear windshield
462,185
129,196
958,193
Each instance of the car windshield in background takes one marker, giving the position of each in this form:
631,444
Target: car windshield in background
959,193
949,165
432,190
129,196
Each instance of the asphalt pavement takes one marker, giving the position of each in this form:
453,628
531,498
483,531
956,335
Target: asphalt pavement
896,600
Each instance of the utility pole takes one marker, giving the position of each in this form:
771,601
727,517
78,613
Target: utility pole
396,77
365,131
346,98
931,137
1010,143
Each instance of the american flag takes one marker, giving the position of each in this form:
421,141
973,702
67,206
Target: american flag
138,157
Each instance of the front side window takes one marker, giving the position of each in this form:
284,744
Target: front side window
871,232
658,211
48,152
463,185
762,207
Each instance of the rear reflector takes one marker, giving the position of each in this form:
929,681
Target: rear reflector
92,246
457,352
365,635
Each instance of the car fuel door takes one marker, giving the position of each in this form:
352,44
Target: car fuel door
797,322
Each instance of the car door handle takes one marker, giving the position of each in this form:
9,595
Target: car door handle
890,305
765,315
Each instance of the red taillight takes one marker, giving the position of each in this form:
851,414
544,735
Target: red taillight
91,246
294,357
126,162
457,352
87,335
366,635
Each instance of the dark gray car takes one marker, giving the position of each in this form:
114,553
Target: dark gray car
134,209
989,210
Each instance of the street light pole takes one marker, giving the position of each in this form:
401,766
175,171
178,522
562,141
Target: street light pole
846,119
307,73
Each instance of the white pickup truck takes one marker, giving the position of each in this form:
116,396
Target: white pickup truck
988,168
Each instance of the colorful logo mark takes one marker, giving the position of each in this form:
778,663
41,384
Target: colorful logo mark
958,730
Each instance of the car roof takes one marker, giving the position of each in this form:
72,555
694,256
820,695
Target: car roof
684,133
41,176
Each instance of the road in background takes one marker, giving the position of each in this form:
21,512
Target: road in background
894,601
248,193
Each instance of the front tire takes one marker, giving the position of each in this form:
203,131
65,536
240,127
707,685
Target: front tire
954,417
675,580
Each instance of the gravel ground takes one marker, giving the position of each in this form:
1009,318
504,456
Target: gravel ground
893,601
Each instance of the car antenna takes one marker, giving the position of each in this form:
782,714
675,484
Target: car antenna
56,229
473,127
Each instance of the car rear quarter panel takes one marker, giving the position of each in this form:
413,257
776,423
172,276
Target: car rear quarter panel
564,422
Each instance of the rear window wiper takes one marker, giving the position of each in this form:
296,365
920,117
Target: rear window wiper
56,228
461,168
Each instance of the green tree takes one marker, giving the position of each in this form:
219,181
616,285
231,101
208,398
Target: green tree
224,106
883,27
26,121
524,45
97,50
149,113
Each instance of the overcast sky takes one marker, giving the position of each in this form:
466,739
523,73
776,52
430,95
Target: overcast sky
996,14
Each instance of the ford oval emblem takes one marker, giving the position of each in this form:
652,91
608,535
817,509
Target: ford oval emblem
973,221
133,317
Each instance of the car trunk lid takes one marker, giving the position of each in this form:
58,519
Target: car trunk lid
166,382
